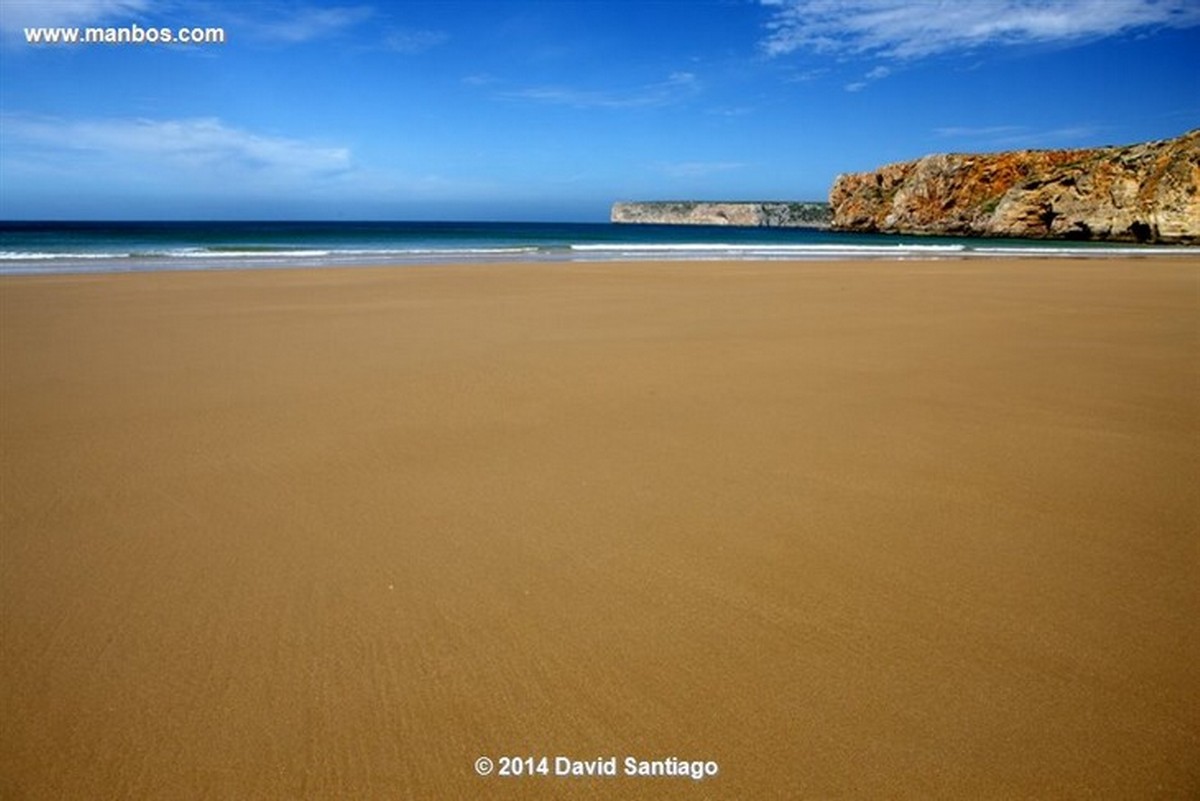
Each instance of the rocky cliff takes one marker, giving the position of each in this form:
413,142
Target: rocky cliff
1140,193
773,214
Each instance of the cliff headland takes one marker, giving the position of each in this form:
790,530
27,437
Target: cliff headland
774,214
1147,192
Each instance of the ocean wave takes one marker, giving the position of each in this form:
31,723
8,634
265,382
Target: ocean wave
264,253
444,251
299,253
256,253
891,250
752,246
1090,252
719,250
21,255
144,249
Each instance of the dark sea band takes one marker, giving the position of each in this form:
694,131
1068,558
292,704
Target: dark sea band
74,247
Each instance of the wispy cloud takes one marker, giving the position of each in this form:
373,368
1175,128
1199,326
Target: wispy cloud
976,132
730,111
1017,136
294,25
699,169
677,86
903,29
18,14
412,42
804,76
206,146
872,75
480,79
265,20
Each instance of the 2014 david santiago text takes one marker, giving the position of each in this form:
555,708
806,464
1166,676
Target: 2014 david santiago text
601,767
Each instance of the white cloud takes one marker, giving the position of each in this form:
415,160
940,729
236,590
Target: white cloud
699,169
976,132
16,15
480,79
1018,136
412,42
205,148
868,79
295,25
285,22
166,165
804,76
904,29
872,75
676,87
731,111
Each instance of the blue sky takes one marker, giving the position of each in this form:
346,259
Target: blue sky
551,110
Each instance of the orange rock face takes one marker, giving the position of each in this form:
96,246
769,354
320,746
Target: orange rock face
1147,192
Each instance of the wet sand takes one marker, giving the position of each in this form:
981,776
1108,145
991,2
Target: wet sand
854,530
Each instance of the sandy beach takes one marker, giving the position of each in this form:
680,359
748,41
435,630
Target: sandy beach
893,529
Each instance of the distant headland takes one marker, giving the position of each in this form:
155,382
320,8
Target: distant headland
773,214
1147,192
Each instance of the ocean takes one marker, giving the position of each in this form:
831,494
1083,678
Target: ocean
89,247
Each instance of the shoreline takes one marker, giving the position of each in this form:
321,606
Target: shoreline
40,248
717,253
903,528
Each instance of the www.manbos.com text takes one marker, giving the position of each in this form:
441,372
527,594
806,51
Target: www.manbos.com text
127,34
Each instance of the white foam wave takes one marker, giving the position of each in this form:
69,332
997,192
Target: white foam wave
764,251
20,255
1034,250
197,253
245,254
448,251
724,247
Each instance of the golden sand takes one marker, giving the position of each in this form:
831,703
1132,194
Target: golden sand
860,530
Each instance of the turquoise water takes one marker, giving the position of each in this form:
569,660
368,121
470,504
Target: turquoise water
58,247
